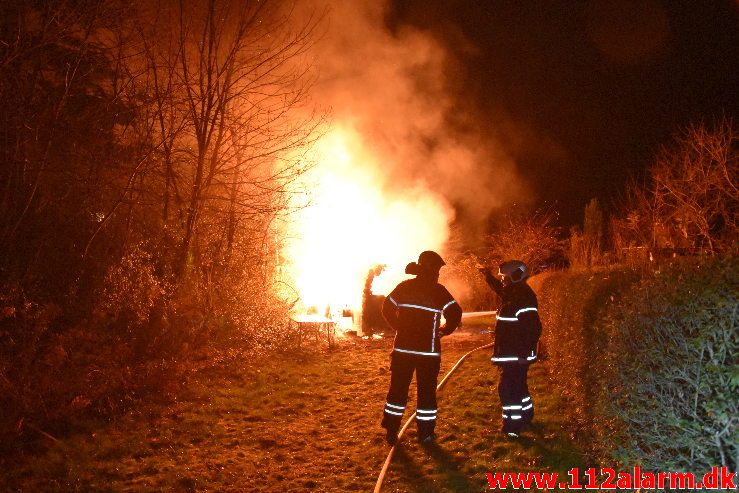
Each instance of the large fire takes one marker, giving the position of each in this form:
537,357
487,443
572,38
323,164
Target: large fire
352,220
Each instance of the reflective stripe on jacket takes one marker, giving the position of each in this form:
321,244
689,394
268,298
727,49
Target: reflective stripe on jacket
414,310
517,327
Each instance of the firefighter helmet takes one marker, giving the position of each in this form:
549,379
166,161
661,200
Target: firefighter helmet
431,261
515,270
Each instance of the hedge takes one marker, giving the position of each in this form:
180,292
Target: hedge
648,362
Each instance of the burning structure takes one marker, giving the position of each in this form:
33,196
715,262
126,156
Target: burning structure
372,318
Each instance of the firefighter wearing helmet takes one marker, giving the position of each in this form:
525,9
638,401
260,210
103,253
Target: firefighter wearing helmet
414,309
517,331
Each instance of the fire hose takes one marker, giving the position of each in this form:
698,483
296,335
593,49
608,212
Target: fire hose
381,477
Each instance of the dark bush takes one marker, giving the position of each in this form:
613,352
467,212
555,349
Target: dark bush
648,366
674,351
571,305
51,373
143,338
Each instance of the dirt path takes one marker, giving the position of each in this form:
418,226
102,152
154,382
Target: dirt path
305,423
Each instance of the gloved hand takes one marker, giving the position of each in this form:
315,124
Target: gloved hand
492,281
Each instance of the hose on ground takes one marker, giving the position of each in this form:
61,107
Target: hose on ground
386,465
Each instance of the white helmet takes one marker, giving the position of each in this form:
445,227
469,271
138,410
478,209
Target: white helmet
515,270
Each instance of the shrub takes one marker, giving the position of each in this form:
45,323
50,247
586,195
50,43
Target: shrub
583,252
571,305
51,372
131,288
689,204
529,237
674,347
648,361
586,246
463,279
254,317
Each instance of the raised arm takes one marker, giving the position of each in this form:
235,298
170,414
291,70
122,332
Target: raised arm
493,281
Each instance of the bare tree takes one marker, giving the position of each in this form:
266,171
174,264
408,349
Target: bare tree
529,237
240,74
57,119
695,187
691,202
146,149
221,87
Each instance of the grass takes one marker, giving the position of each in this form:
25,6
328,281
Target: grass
304,422
469,443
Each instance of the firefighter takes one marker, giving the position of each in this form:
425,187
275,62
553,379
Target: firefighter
517,331
414,309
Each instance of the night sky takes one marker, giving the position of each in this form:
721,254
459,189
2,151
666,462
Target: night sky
582,94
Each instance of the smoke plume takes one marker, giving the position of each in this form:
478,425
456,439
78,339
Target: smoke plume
396,90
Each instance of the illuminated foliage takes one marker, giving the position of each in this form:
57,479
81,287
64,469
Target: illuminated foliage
690,203
146,150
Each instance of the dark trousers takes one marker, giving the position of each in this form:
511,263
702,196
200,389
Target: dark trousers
518,408
402,366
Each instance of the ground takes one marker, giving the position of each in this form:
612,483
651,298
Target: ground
308,421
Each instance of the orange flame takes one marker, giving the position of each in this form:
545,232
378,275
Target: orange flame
353,221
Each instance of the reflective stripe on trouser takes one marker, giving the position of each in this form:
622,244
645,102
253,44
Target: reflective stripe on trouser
394,409
518,407
523,411
402,367
424,417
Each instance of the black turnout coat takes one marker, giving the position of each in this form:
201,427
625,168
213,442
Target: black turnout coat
517,327
414,310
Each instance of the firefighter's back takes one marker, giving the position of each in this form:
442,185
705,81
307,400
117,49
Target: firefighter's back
420,304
